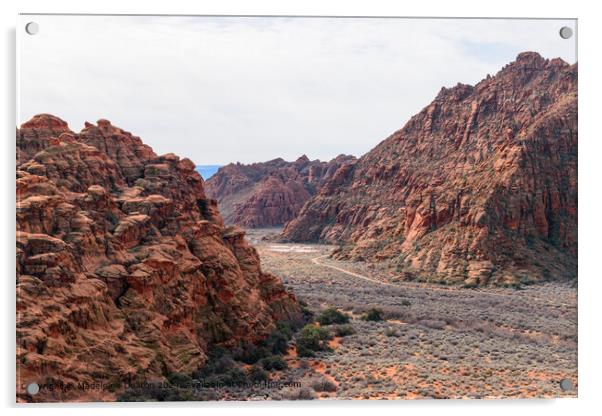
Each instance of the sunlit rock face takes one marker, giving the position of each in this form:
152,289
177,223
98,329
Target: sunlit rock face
124,266
480,187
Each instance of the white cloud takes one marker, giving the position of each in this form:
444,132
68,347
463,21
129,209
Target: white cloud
219,90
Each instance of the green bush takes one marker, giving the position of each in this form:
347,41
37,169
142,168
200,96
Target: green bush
332,316
285,328
237,376
273,363
374,314
344,330
308,315
250,353
257,374
312,338
277,342
179,380
232,377
219,361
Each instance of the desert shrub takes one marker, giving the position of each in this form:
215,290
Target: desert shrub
391,332
323,384
236,376
181,395
332,316
374,314
216,364
277,343
307,314
344,330
273,363
278,340
232,377
285,328
303,393
250,354
394,312
257,374
433,323
179,380
312,338
157,393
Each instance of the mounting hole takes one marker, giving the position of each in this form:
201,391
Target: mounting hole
32,28
566,384
566,32
33,388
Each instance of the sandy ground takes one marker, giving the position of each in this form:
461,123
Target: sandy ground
436,341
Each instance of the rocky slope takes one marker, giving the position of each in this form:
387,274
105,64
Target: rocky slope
124,266
270,193
479,187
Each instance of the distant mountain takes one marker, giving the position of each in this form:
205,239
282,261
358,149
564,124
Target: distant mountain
207,171
269,193
479,187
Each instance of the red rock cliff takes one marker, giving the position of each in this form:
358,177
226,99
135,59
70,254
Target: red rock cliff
124,266
479,187
269,193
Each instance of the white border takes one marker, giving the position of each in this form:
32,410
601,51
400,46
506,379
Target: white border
590,202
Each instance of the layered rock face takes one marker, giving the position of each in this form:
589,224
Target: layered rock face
270,193
124,266
479,187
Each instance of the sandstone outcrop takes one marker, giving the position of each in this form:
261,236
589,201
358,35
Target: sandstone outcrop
124,266
478,188
270,193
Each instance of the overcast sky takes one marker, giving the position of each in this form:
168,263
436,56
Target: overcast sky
221,90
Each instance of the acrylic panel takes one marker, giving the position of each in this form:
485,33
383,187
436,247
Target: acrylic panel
295,208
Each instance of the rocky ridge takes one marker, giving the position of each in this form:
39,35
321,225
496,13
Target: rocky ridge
125,269
480,187
270,193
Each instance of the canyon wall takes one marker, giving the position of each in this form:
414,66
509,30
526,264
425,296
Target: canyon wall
124,266
479,187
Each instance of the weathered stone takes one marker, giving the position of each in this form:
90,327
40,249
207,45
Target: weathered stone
117,280
482,174
270,193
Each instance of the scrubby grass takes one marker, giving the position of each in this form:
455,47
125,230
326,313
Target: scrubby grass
455,343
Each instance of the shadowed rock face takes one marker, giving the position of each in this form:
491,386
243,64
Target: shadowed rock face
269,193
479,187
124,266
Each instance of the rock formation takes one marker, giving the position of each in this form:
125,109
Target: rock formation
479,187
269,193
124,266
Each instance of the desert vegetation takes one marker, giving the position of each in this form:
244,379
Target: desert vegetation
425,340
